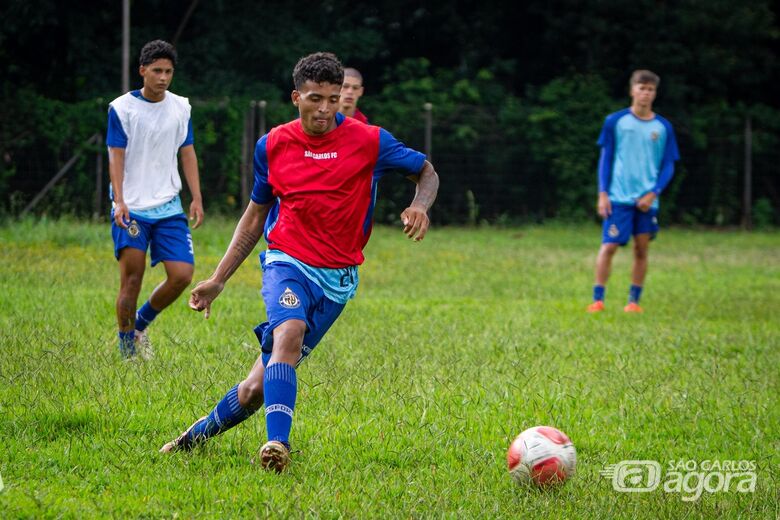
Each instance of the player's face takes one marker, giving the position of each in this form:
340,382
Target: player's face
643,94
317,104
351,90
157,76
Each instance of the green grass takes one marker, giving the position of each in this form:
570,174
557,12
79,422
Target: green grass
451,348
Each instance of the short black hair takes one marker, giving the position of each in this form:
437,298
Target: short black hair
156,50
320,67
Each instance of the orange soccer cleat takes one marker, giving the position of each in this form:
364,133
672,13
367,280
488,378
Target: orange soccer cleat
596,306
633,307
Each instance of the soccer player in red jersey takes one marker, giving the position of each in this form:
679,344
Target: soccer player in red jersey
351,92
315,186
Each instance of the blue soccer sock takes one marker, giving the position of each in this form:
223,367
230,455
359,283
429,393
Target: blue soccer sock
145,316
634,293
127,343
224,416
598,293
280,387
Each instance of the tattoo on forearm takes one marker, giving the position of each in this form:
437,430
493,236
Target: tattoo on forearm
243,243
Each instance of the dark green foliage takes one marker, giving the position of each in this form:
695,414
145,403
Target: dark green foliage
518,93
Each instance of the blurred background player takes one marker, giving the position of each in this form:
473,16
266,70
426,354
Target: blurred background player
638,151
146,130
321,169
351,92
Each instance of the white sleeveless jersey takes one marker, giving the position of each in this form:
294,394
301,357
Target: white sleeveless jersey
155,131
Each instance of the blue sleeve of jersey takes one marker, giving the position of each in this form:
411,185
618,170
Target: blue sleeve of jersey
671,154
607,143
393,154
116,136
190,139
261,192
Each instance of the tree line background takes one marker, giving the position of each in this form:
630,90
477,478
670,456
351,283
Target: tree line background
519,94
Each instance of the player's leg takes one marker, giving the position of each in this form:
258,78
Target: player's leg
130,245
132,263
238,404
615,232
645,230
171,244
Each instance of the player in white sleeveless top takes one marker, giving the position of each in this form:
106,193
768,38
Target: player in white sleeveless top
147,130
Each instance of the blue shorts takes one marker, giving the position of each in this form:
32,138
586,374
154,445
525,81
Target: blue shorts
627,220
168,238
290,295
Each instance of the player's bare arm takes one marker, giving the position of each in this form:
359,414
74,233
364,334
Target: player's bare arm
116,170
248,232
415,217
646,201
604,205
189,163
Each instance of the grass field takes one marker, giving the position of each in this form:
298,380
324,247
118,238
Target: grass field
405,410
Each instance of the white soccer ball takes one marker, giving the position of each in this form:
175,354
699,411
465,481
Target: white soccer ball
542,455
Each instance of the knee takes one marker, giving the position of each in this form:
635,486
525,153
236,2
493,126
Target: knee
640,252
250,394
288,337
131,283
180,280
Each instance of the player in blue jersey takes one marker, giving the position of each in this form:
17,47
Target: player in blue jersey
638,152
147,129
315,188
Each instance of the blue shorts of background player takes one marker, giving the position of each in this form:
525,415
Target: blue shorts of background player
290,295
169,239
627,220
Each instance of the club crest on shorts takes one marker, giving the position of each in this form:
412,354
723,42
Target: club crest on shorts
289,300
133,230
613,231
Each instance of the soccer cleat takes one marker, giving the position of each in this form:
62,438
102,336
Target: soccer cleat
596,306
181,442
143,345
633,307
274,456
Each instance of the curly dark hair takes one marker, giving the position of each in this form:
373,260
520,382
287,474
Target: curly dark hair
320,67
155,50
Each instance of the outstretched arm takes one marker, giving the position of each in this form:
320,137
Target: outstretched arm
415,217
248,232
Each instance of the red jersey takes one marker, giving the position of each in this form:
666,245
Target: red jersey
360,116
325,187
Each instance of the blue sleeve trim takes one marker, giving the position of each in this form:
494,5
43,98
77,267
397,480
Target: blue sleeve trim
393,154
664,176
606,141
115,136
190,139
261,192
605,168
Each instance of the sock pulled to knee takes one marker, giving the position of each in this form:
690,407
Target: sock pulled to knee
598,293
280,388
225,415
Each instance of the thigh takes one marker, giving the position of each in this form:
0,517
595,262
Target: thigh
618,227
172,241
136,235
646,222
288,294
